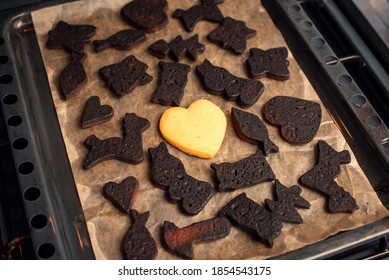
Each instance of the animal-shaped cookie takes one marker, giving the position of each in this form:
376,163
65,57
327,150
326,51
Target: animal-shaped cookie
250,216
173,80
123,40
138,244
146,15
169,173
207,10
231,35
122,78
321,178
250,128
122,195
70,37
198,130
180,241
94,113
242,173
271,63
73,77
177,48
298,119
217,80
265,223
128,149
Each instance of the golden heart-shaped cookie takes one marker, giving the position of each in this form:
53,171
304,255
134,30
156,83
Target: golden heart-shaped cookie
198,130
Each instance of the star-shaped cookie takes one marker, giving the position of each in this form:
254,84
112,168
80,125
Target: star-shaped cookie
232,35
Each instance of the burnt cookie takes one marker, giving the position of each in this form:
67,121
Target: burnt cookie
70,37
146,15
265,224
321,178
250,128
242,173
286,201
207,10
95,113
169,173
180,241
128,149
298,119
122,195
138,244
177,48
122,78
123,40
73,77
231,35
173,81
251,217
271,63
217,80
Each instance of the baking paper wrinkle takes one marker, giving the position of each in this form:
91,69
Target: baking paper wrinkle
107,225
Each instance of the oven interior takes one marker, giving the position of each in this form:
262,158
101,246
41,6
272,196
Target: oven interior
40,213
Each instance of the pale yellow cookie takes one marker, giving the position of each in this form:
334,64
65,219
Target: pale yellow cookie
198,130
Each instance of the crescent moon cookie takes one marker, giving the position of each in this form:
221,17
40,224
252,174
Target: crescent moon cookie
198,130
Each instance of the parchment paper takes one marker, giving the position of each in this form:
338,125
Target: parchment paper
106,224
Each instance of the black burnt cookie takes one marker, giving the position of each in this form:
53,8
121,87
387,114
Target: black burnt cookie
147,15
169,173
217,80
138,244
123,40
231,35
95,113
207,10
180,241
243,173
247,214
177,48
122,78
271,63
173,81
70,37
321,178
128,149
298,119
250,128
286,201
122,195
73,77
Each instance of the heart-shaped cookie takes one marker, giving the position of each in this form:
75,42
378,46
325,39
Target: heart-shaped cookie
198,130
299,119
95,113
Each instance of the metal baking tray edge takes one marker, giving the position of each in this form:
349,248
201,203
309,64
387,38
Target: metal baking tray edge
25,78
52,206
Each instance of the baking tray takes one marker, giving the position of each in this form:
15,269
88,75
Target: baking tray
51,202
